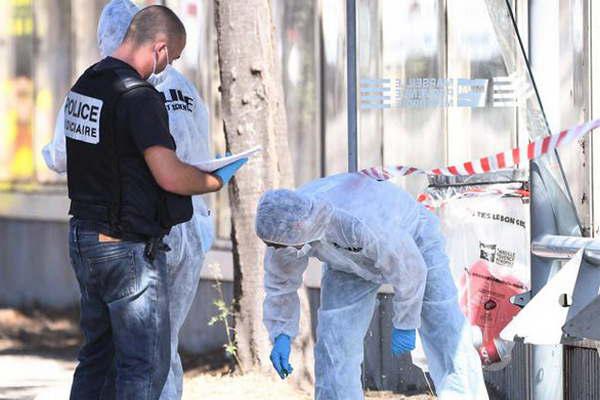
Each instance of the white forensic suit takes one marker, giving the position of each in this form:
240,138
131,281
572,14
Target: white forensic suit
190,241
366,233
188,123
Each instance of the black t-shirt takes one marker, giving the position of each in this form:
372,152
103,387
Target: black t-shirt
142,121
137,119
143,114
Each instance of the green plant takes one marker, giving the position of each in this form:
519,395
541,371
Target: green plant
224,313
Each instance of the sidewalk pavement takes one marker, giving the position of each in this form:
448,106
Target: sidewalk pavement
26,377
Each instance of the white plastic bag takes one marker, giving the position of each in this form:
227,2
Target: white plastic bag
487,233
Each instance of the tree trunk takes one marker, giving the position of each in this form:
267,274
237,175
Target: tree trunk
50,63
6,75
84,18
254,114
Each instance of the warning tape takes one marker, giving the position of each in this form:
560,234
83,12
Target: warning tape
431,202
490,163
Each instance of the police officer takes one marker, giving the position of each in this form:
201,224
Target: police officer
127,189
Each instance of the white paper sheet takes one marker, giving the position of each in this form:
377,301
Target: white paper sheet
213,165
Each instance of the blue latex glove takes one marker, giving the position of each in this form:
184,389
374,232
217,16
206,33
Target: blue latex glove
226,173
403,341
280,356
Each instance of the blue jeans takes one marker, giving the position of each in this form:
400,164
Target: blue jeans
124,318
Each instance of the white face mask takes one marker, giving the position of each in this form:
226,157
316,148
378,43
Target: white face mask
155,63
155,79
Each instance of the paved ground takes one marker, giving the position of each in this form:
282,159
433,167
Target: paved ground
38,378
37,354
37,359
32,377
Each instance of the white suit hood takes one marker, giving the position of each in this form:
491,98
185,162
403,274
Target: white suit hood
113,24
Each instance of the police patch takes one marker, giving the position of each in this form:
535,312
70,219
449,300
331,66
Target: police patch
82,118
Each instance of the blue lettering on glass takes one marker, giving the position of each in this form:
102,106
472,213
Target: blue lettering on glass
425,92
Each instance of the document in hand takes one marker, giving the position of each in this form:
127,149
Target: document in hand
213,165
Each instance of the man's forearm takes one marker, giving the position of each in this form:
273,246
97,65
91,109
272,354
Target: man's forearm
190,180
175,176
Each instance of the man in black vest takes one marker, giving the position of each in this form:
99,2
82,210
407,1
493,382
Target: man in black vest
127,189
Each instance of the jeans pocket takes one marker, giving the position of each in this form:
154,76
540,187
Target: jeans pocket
115,274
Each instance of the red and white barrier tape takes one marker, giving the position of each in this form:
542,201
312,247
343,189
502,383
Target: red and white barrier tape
491,163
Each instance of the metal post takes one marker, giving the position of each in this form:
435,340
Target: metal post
565,247
546,372
352,85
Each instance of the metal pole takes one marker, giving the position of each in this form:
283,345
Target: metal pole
573,211
564,248
352,85
546,373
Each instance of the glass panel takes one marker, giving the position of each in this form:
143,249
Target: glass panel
441,82
333,86
16,149
36,47
370,43
298,30
483,123
414,61
532,120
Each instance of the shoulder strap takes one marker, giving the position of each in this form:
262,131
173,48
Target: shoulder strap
126,82
123,84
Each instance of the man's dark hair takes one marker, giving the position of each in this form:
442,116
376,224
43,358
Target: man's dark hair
151,21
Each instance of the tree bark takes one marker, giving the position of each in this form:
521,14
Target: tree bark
6,75
84,18
50,66
254,114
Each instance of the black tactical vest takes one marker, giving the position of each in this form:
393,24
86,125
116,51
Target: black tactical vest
109,181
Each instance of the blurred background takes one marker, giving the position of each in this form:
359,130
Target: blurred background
46,44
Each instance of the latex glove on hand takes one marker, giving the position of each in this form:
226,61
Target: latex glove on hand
403,341
227,172
280,356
